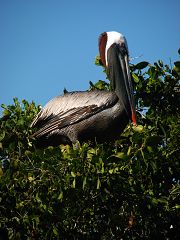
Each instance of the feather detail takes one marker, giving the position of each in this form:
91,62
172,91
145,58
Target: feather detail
71,108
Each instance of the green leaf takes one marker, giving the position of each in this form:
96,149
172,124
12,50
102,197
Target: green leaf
176,71
175,190
16,102
154,201
177,206
142,153
84,182
73,174
3,106
120,155
141,65
160,62
98,61
163,200
1,172
135,77
74,183
2,135
154,166
129,150
55,231
6,112
138,128
30,179
177,64
98,183
20,122
60,197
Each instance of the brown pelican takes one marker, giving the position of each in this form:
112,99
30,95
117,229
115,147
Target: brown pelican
92,115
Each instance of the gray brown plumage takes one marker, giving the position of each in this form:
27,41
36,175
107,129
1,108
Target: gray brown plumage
90,115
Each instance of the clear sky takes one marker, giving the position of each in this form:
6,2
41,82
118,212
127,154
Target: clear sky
46,45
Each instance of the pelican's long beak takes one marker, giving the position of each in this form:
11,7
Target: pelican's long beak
118,68
128,83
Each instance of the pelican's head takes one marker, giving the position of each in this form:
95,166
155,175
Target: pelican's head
114,54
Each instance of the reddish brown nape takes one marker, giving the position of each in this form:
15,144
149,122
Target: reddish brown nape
102,47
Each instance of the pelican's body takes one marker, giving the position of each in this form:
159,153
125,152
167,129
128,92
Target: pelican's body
92,115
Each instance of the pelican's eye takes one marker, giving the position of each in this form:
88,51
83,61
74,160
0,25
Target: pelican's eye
123,49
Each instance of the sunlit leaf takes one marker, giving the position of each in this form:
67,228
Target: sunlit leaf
135,77
60,197
55,231
6,112
74,183
84,182
98,183
30,179
177,207
119,155
138,128
73,174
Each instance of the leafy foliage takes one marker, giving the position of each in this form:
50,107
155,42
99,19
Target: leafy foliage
123,190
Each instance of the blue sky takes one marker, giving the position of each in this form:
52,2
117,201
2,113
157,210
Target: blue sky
46,45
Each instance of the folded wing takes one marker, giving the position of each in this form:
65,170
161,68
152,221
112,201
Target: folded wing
71,108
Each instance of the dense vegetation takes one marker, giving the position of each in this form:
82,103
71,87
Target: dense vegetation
123,190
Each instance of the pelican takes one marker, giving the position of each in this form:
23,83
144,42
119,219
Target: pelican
92,115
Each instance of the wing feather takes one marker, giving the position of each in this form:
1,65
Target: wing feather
71,108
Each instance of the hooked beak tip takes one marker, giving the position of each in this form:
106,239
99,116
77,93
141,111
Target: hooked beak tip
134,118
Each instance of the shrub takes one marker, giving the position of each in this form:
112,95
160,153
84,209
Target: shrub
123,190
